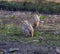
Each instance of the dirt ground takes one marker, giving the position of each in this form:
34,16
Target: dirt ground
36,45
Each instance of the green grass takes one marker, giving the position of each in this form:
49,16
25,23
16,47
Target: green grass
37,39
14,36
42,17
10,17
14,17
12,32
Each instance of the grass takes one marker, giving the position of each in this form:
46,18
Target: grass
11,32
42,17
10,17
47,39
39,38
1,20
14,17
13,38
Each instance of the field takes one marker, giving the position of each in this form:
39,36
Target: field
48,33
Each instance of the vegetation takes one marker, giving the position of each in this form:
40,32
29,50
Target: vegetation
42,38
12,31
49,8
42,17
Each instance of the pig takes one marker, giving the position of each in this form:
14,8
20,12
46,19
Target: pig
36,21
27,28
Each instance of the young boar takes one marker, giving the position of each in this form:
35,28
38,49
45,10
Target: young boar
27,28
36,21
